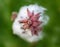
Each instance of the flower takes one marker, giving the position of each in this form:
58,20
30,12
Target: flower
29,23
32,23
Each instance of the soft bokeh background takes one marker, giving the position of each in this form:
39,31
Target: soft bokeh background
52,29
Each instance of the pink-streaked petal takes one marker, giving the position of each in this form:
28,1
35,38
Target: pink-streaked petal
32,30
29,13
37,15
33,18
35,24
39,22
38,28
32,13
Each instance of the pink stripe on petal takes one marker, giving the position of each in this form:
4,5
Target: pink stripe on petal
29,13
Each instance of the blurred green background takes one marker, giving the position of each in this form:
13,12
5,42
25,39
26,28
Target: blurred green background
52,29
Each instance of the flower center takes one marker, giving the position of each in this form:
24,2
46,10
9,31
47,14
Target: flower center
32,23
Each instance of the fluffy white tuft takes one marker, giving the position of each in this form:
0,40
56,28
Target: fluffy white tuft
23,13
